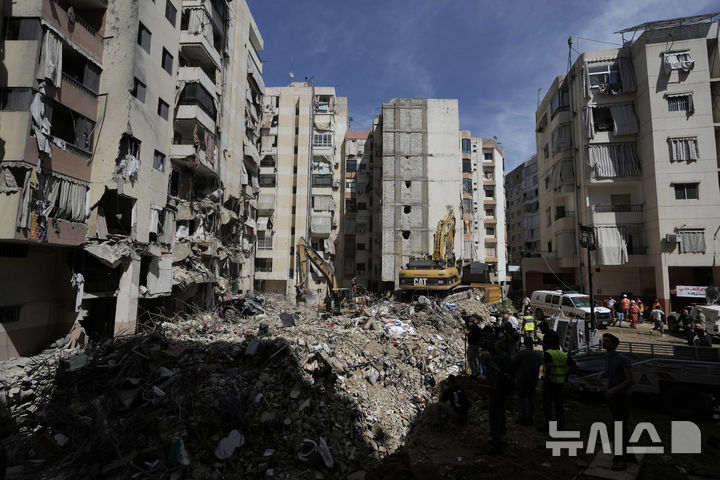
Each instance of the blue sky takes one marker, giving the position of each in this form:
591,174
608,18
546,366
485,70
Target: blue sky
492,56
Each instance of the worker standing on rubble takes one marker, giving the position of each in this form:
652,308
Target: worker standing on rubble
474,339
620,379
499,373
555,371
527,369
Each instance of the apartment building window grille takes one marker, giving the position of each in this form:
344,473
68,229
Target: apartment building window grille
361,228
322,140
605,78
467,204
692,241
350,205
361,246
267,180
489,193
170,12
683,149
144,37
159,161
488,156
467,185
350,185
680,102
163,108
489,212
490,231
686,191
263,264
351,166
466,146
677,61
362,206
138,90
15,99
466,165
264,241
167,61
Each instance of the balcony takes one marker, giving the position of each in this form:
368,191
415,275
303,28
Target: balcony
184,154
194,112
266,204
198,47
618,214
198,75
564,214
322,180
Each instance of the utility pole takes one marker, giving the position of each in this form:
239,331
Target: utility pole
587,240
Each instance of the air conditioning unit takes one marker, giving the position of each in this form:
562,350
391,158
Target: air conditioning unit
673,238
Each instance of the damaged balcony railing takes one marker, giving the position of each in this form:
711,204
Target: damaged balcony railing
78,85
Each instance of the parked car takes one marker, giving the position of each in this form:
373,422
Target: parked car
554,303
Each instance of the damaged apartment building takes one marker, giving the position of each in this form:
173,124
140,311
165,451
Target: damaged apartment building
128,179
300,179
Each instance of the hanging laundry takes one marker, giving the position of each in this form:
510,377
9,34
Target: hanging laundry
34,183
78,281
51,58
133,167
210,147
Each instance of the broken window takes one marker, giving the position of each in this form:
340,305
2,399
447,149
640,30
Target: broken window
324,103
117,211
605,78
163,108
80,71
677,61
76,131
144,37
602,119
138,90
195,94
167,61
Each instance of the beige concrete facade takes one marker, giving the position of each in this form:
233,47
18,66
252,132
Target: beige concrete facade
421,178
301,187
51,64
493,230
653,206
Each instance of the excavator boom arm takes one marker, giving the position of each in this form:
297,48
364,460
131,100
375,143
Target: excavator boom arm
305,253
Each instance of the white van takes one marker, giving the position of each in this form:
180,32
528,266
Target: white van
554,303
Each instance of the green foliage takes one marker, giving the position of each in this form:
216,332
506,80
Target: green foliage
506,306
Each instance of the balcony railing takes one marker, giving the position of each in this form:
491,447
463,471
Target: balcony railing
322,181
605,208
78,85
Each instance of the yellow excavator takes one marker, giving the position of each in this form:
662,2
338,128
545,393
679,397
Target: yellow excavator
439,271
337,300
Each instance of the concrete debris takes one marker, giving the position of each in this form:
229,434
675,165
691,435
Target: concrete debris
269,393
111,253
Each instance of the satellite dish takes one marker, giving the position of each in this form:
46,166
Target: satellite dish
712,295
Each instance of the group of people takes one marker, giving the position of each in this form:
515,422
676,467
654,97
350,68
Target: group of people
633,311
495,355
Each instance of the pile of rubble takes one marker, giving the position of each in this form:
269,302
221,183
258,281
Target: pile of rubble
288,393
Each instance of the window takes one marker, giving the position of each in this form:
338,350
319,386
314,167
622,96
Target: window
467,185
466,147
195,94
683,149
318,244
467,205
489,212
567,303
264,241
466,165
682,102
170,12
322,140
351,166
546,150
686,191
489,194
268,161
163,108
159,161
605,78
23,29
266,180
15,99
548,215
263,265
10,313
144,37
549,247
692,241
350,185
560,102
487,155
362,206
490,231
677,61
603,120
138,90
361,246
167,61
360,266
350,205
542,123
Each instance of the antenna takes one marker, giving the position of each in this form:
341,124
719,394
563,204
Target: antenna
569,65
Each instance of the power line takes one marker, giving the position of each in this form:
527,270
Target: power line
599,41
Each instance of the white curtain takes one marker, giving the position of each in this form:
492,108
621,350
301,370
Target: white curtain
51,58
624,120
611,246
586,82
683,149
692,242
588,122
199,23
627,74
610,160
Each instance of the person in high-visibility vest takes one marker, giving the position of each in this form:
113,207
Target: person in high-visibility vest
555,371
528,326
